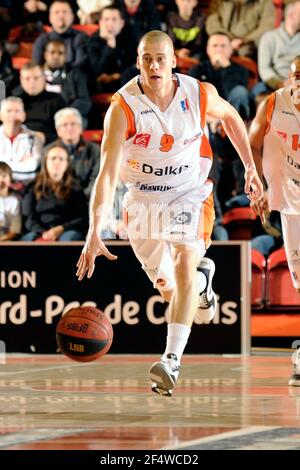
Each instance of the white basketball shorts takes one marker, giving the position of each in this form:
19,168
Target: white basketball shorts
154,226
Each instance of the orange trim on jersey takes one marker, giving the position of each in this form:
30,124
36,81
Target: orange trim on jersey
270,110
203,104
205,148
206,220
131,129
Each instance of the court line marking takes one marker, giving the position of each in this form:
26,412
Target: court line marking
221,436
41,434
25,371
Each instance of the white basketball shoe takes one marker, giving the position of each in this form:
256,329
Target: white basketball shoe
164,375
207,299
294,380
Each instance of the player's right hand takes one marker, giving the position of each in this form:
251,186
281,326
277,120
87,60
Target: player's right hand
93,247
261,207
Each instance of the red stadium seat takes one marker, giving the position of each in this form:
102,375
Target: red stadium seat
239,222
185,63
18,62
279,10
88,29
93,135
280,292
258,283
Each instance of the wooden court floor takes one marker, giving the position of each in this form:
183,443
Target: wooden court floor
53,403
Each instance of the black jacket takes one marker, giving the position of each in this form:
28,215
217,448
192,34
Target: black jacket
42,214
224,79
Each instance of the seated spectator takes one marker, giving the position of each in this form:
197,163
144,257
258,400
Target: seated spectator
10,214
7,73
106,49
84,155
89,10
53,207
230,80
61,18
20,147
140,17
244,21
186,28
70,83
40,105
276,51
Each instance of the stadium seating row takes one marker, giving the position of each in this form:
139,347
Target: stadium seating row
272,286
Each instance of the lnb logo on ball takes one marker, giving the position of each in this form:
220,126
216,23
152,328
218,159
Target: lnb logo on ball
2,352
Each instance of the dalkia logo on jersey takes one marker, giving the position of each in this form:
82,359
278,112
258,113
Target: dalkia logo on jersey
185,105
142,140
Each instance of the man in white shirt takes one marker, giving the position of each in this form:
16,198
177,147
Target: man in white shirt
20,147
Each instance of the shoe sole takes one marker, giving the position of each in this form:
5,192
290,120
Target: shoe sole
160,376
294,381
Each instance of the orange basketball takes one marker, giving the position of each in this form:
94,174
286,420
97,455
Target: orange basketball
84,334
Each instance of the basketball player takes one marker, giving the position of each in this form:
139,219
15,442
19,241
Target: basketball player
153,134
275,142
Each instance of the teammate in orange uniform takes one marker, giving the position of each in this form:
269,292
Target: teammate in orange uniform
275,142
153,134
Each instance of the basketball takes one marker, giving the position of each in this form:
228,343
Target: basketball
84,334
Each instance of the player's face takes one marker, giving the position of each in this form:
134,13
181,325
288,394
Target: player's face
295,81
155,62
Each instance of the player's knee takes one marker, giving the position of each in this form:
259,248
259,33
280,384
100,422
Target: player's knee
185,264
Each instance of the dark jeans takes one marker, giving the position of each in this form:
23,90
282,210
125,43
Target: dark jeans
66,236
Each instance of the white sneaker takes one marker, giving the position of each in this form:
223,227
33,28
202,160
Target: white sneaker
207,299
294,380
164,375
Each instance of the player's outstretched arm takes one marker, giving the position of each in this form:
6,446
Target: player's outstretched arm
237,133
115,125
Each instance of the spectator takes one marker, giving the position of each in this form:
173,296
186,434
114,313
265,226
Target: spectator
230,80
70,83
53,208
40,105
140,16
276,51
84,155
61,19
244,21
7,73
20,147
106,50
186,28
10,214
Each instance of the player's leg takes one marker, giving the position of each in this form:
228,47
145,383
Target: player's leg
290,232
192,293
183,307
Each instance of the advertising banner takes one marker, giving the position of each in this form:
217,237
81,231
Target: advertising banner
38,283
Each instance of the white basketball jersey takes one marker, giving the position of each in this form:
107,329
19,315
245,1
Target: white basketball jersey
165,152
281,153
